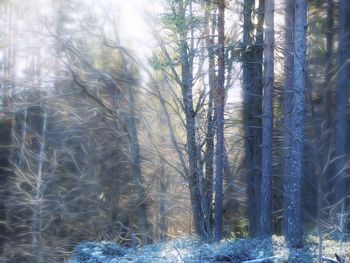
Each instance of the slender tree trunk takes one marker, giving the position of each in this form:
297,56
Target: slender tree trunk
10,28
252,114
341,122
193,177
293,220
209,151
267,121
114,198
219,113
326,129
38,196
328,105
7,130
21,158
163,227
136,165
287,99
248,138
190,117
257,101
342,95
327,96
172,133
135,151
202,190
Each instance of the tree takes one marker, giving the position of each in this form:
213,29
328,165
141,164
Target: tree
326,128
210,24
252,92
327,95
341,121
219,120
288,97
38,211
186,61
135,146
292,220
182,25
267,121
7,62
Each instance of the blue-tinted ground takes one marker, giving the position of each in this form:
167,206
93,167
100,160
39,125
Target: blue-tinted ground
193,251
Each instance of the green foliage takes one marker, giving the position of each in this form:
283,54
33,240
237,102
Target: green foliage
174,23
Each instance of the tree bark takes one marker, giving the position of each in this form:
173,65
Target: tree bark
252,88
288,98
190,117
163,227
326,129
135,150
219,113
327,96
293,221
341,122
267,121
210,133
38,196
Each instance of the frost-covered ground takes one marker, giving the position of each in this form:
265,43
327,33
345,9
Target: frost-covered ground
192,251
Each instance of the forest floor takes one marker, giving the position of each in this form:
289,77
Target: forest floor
190,250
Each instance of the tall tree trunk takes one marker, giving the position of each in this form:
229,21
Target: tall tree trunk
326,128
163,227
219,113
288,98
327,95
6,140
193,176
267,121
190,117
38,196
39,187
22,146
136,165
135,149
252,114
209,150
293,220
341,123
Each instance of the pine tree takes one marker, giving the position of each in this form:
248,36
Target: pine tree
219,120
293,209
252,110
267,121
